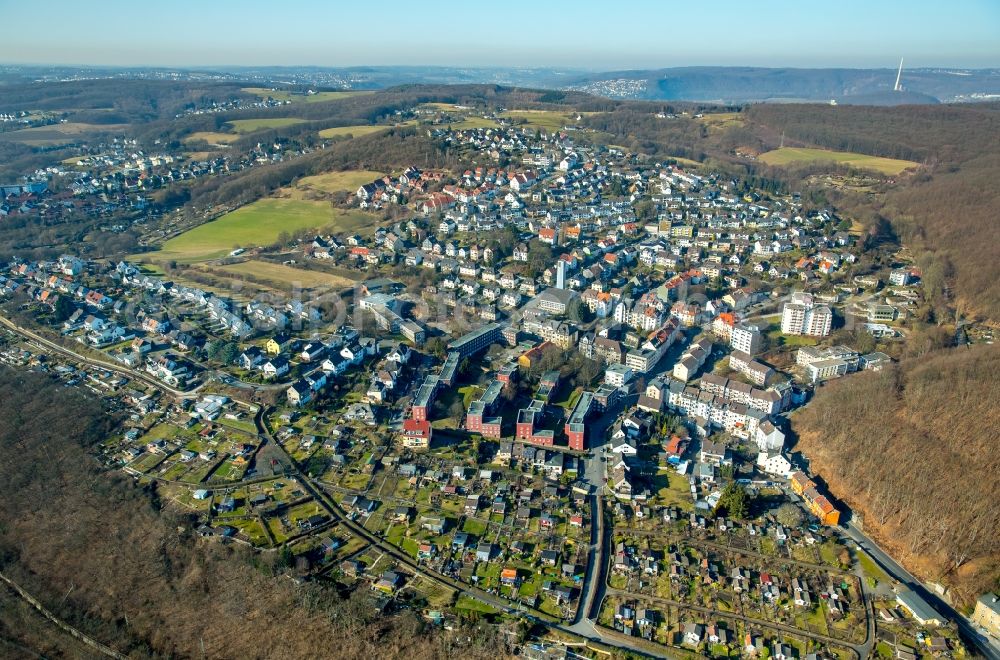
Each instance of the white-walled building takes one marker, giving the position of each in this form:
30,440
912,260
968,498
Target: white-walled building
746,338
802,316
774,463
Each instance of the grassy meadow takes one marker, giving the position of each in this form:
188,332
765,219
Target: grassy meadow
212,137
287,276
258,224
359,129
285,95
791,155
341,180
56,134
546,120
244,126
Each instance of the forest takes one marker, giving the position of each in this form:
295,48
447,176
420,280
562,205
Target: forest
104,554
947,211
383,151
911,450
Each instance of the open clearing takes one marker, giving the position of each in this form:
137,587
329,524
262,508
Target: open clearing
344,180
444,107
253,125
287,276
359,130
285,95
258,224
212,137
40,136
352,131
200,155
788,155
684,161
546,120
720,120
471,122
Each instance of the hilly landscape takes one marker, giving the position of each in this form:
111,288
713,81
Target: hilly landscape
114,563
758,84
879,439
906,451
908,448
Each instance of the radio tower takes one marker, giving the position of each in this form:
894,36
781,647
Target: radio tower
898,87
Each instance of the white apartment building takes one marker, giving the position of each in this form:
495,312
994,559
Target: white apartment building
746,338
801,316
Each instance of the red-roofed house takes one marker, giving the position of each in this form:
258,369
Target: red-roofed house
417,433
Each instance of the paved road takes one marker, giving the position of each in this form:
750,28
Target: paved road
316,489
209,372
982,643
860,649
110,366
595,474
587,629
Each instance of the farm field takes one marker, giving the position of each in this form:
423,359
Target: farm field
285,95
547,120
357,130
252,125
212,137
259,223
349,180
287,276
471,122
788,155
435,105
44,136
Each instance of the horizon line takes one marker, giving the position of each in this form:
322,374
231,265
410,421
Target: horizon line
541,67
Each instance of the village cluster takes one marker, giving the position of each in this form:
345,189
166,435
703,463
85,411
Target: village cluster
634,334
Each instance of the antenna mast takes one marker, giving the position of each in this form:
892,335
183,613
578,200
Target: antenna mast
898,87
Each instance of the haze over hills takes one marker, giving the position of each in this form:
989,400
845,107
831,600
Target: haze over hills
716,84
199,485
742,84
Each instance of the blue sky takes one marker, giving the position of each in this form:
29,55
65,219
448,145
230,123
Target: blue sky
581,34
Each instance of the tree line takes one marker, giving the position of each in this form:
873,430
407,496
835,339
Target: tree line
911,451
110,557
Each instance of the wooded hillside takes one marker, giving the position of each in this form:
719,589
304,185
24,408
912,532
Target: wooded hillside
948,210
913,450
100,553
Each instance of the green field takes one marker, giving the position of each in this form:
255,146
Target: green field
285,95
790,155
212,137
358,130
684,161
258,224
253,125
286,276
349,180
54,134
546,120
872,569
720,120
471,122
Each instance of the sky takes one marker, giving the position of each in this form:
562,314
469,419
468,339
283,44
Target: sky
597,35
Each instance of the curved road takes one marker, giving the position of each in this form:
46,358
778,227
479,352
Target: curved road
589,632
983,644
862,650
110,366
